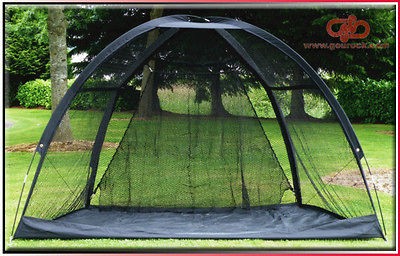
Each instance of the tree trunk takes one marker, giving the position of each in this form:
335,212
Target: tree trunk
6,89
217,108
149,103
297,107
57,27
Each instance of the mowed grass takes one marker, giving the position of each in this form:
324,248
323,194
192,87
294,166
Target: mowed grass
29,124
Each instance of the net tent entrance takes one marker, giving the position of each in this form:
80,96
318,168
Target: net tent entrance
198,128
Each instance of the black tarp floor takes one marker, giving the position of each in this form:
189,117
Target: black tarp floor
276,222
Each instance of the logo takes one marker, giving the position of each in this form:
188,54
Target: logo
348,28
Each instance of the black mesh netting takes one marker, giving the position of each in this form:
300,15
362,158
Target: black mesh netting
321,149
194,128
195,140
322,153
278,69
61,186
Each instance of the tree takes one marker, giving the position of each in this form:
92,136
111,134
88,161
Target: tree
150,103
26,48
57,27
294,26
90,29
372,63
101,26
217,108
200,67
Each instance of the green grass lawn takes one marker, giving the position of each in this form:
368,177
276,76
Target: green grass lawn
377,141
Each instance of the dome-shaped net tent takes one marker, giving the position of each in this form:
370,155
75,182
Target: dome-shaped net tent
188,127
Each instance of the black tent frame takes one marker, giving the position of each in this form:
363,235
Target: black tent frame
174,24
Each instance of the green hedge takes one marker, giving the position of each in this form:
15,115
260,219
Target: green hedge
37,93
368,101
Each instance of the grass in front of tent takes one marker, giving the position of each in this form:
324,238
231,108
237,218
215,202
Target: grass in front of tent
377,142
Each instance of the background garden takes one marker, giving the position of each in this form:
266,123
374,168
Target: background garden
362,80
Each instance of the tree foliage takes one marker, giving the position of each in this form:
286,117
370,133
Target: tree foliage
100,26
91,28
26,46
300,26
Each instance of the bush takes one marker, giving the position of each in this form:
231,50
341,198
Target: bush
261,103
36,93
98,100
368,101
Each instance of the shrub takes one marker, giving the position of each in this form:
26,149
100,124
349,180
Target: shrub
36,93
368,101
98,100
261,103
